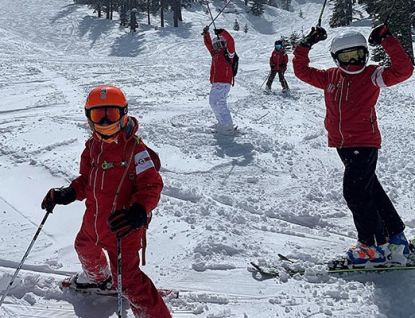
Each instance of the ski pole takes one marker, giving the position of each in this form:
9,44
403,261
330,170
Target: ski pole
266,79
321,13
220,12
119,279
210,12
24,257
384,28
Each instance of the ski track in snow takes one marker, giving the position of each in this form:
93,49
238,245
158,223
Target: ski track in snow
276,188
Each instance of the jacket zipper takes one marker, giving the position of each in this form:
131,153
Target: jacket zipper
347,91
340,112
95,195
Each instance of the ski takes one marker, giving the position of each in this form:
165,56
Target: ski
69,283
275,271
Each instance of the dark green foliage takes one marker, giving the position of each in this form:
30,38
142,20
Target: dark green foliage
399,22
236,26
342,13
286,5
257,7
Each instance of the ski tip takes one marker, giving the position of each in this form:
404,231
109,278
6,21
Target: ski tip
285,258
169,293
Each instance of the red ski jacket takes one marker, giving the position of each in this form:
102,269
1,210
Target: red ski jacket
278,60
221,69
102,169
350,99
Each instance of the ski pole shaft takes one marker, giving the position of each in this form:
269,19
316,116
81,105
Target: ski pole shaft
24,257
220,12
266,79
119,279
210,12
321,13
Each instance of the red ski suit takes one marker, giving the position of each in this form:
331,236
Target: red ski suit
278,60
350,99
221,69
102,169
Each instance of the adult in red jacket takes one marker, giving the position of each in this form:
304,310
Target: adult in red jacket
121,185
222,50
278,63
351,91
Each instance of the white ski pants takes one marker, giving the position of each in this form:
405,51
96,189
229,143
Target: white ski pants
217,100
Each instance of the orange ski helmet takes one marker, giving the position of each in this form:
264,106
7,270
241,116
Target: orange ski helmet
107,96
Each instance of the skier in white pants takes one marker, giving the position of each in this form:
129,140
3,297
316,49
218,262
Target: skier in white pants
222,49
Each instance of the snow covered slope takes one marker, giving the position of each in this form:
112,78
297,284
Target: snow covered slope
226,202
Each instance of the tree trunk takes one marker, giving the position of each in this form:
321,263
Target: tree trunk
176,13
162,14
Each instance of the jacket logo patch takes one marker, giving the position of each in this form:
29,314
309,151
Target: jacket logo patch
142,162
330,88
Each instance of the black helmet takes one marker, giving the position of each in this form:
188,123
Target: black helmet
278,45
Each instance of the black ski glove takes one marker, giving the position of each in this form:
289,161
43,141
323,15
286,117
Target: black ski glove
378,34
205,30
54,196
283,65
124,221
217,31
316,35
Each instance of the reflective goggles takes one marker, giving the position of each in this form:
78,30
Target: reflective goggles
347,56
105,114
278,46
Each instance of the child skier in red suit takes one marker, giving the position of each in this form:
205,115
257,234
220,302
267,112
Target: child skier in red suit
121,185
278,63
351,91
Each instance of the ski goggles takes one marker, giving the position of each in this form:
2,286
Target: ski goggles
105,114
218,44
278,46
347,56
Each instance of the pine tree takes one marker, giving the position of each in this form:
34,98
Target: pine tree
399,22
257,8
342,13
286,4
236,25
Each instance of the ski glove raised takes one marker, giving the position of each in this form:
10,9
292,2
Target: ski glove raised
54,196
378,34
205,30
218,31
124,221
316,35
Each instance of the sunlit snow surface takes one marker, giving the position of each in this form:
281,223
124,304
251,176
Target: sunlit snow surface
277,188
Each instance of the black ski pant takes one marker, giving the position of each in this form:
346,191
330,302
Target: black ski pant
281,77
374,215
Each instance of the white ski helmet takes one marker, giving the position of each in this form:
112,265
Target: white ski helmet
349,51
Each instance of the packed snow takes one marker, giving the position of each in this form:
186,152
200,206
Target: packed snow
276,188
